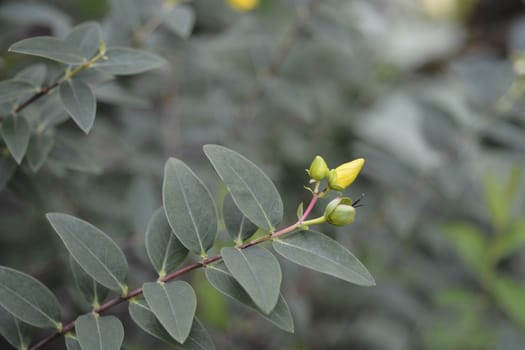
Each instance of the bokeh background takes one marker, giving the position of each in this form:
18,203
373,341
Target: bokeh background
428,91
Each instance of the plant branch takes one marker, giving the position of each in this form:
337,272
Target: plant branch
177,273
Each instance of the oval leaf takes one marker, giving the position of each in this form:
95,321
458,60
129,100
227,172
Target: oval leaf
71,342
199,339
237,225
93,292
95,332
180,20
85,39
14,331
16,133
11,90
321,253
253,192
220,278
34,75
80,103
258,272
189,207
28,299
165,251
174,305
124,61
50,48
92,249
38,150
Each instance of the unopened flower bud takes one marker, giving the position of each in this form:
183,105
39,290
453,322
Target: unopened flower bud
340,212
343,176
318,169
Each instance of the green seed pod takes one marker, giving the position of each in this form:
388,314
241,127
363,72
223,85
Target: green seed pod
340,212
318,169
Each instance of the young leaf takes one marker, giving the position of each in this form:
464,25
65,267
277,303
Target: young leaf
321,253
50,48
165,251
253,192
124,61
16,133
72,342
96,332
199,339
28,299
80,103
174,305
180,20
34,75
38,150
258,272
93,292
220,278
510,241
470,244
11,90
189,207
14,331
509,295
237,225
85,39
92,249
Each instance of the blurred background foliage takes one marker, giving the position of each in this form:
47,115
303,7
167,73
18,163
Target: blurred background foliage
428,91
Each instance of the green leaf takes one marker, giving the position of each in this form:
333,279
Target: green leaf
174,305
72,342
28,299
85,39
7,169
165,251
93,292
180,20
511,240
11,90
253,192
92,249
189,207
16,133
73,156
258,272
321,253
509,295
199,339
80,103
470,244
38,150
237,225
14,331
34,75
96,332
220,278
124,61
48,47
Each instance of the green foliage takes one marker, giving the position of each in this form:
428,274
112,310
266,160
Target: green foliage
96,332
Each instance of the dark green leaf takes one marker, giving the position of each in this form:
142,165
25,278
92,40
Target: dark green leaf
7,169
11,90
199,339
96,332
14,331
258,272
38,150
174,305
253,192
180,20
223,281
80,103
237,225
321,253
92,249
165,251
28,299
124,61
189,207
93,292
16,133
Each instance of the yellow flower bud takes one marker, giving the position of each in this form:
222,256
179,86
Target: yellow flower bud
343,176
340,212
243,5
318,169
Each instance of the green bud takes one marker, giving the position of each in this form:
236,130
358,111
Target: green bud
340,212
318,169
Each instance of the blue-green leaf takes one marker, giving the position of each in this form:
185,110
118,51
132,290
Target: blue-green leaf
92,249
11,90
174,305
96,332
253,192
124,61
80,103
93,292
180,20
85,39
14,331
219,277
258,272
321,253
16,133
38,150
34,75
72,342
237,225
48,47
28,299
189,207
